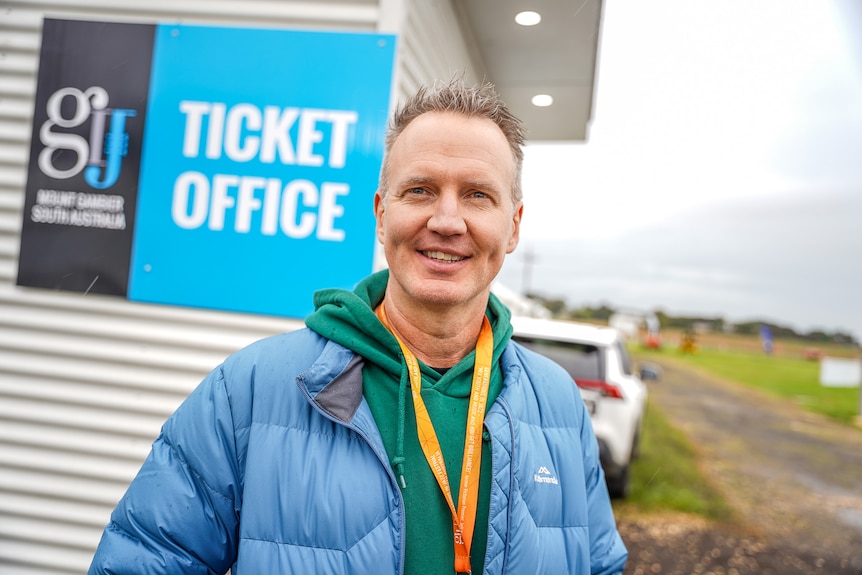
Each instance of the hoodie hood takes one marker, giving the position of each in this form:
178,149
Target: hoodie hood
348,318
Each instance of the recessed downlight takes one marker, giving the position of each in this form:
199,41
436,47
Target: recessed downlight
528,18
542,100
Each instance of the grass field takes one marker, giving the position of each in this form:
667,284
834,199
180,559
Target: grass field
667,476
785,373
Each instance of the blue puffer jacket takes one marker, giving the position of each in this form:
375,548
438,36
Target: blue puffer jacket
274,465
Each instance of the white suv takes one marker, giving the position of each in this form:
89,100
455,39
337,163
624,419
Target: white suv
597,360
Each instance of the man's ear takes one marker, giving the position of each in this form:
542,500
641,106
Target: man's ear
379,208
516,228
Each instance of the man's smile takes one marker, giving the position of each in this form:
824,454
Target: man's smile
444,257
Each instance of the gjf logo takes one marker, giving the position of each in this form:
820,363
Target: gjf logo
100,156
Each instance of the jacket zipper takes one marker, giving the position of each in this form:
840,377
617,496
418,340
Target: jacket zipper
381,457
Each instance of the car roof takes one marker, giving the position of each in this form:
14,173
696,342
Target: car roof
563,330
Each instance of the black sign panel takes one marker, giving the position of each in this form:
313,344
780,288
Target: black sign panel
88,128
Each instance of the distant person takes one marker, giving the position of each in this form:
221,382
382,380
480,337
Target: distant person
766,338
304,453
653,339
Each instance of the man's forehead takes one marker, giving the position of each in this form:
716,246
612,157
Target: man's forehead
437,141
456,134
432,118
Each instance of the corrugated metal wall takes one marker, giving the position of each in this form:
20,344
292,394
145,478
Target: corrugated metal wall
434,45
86,381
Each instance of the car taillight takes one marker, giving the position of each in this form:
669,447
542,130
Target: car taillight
603,387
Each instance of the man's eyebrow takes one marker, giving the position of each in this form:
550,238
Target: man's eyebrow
482,184
416,180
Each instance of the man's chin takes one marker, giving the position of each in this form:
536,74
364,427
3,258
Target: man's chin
443,293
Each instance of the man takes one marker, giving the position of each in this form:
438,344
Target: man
316,452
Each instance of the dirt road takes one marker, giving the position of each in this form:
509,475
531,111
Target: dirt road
794,478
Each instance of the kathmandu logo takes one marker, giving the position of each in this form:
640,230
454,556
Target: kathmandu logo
107,145
544,476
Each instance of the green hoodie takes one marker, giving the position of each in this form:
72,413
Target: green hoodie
348,318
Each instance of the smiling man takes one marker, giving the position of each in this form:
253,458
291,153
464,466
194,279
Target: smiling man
403,432
446,218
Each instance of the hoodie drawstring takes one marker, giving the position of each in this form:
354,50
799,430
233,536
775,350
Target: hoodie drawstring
398,460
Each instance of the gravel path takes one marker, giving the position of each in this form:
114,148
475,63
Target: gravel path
794,478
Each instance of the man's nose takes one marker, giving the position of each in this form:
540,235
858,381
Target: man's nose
448,217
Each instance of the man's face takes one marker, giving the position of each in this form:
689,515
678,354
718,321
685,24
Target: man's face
447,220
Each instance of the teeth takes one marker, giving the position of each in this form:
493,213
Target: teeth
443,256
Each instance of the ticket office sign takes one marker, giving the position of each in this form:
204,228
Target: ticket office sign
225,168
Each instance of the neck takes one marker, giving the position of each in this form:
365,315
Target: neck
439,338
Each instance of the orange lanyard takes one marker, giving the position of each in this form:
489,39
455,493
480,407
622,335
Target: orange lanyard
464,519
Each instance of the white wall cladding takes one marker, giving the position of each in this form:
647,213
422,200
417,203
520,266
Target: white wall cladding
86,381
433,45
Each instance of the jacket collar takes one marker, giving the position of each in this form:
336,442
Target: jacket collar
334,381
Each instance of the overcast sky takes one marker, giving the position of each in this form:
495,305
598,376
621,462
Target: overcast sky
723,171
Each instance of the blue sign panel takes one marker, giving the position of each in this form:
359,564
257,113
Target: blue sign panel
226,168
260,160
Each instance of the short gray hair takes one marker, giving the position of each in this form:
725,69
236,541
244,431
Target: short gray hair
473,102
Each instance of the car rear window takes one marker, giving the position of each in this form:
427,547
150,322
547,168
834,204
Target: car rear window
581,360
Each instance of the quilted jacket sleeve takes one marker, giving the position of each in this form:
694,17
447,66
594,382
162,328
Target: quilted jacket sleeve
180,514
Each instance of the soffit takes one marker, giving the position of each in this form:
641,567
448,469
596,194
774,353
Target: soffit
558,57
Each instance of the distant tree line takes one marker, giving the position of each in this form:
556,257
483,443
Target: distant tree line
602,313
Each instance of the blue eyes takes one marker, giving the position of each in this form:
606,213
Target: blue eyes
470,195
